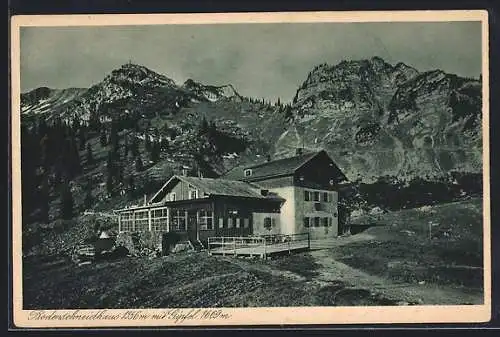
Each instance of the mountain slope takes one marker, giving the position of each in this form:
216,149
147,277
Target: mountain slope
374,118
377,119
46,100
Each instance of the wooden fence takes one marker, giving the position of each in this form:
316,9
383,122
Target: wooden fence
264,245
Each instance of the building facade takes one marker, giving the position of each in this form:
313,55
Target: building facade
287,196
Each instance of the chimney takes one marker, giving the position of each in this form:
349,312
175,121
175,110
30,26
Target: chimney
145,199
299,151
184,171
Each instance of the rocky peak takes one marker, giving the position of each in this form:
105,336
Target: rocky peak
210,92
379,118
134,74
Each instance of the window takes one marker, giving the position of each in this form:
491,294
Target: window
306,222
126,221
172,196
238,223
325,196
247,172
330,222
159,219
325,222
141,223
267,223
221,223
205,219
316,196
246,223
193,194
229,223
179,220
316,221
307,196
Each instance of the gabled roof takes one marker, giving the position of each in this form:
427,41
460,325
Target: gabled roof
216,187
285,166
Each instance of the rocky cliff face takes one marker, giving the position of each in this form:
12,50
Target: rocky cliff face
379,119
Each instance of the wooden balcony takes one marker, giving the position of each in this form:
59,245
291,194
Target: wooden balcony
258,246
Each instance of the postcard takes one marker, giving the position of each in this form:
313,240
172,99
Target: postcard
250,169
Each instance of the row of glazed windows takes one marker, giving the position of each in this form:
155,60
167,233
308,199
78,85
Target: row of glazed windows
204,218
318,196
318,221
234,223
138,221
178,221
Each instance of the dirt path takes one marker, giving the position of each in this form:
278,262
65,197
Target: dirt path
332,271
249,266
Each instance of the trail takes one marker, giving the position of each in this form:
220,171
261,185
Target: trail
332,270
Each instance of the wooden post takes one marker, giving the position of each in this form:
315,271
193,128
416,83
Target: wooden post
223,248
289,251
265,249
168,219
149,220
234,246
119,223
430,230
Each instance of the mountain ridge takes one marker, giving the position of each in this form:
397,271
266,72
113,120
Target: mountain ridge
374,117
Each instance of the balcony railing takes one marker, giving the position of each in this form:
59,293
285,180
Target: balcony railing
262,245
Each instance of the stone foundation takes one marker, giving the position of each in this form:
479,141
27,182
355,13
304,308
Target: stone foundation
141,243
136,242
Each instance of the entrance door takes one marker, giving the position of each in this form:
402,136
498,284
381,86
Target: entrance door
192,226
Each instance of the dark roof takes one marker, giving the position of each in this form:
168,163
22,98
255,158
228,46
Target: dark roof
222,187
285,166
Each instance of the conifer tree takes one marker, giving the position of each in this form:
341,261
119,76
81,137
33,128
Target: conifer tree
126,148
103,138
76,165
114,138
119,174
89,199
81,138
134,147
109,183
147,143
44,200
110,172
90,155
66,211
138,164
155,152
131,186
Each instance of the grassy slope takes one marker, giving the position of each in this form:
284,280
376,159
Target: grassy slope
401,249
198,280
184,280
